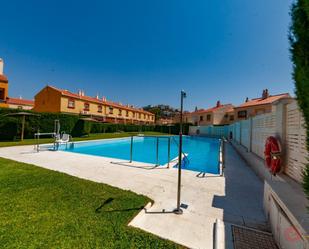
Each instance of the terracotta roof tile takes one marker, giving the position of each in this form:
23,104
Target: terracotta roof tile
17,101
212,109
3,78
259,101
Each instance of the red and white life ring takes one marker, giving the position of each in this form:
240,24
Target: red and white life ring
272,154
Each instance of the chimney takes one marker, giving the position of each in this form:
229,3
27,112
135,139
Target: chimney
97,96
1,66
265,94
82,93
247,99
218,103
79,92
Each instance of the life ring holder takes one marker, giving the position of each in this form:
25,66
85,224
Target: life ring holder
273,155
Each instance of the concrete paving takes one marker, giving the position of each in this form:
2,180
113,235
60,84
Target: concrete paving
236,197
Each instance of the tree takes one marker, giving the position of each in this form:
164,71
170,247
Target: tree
299,40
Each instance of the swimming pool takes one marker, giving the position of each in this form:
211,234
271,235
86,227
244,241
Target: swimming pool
202,153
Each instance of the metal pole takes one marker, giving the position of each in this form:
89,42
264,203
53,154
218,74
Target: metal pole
22,128
169,152
131,150
38,142
178,210
223,154
157,164
220,162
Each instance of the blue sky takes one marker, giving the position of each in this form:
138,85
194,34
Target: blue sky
144,52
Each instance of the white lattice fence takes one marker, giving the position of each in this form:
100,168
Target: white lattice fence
245,134
209,130
295,143
237,132
263,126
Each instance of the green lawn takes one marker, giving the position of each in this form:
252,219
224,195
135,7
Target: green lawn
40,208
91,137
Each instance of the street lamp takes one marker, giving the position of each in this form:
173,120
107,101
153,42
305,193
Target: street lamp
178,210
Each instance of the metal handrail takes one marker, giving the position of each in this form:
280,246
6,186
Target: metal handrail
157,148
184,155
222,156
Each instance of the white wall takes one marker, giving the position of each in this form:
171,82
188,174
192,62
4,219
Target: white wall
1,66
296,152
285,122
209,130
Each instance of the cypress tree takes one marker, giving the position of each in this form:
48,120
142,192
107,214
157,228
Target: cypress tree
299,40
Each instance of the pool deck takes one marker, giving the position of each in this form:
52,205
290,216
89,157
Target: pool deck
236,197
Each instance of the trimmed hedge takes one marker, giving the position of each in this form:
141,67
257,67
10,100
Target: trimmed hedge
9,128
72,124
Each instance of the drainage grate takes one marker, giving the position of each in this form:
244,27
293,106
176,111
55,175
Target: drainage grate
249,238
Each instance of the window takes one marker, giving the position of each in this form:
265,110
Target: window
71,103
86,106
242,114
120,112
100,109
2,91
208,117
139,116
226,116
111,110
127,113
232,118
201,118
20,107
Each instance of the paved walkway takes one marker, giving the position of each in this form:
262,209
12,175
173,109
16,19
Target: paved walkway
235,198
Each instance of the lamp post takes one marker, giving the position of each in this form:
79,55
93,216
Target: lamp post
178,210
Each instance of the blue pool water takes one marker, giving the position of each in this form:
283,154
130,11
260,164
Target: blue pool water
202,152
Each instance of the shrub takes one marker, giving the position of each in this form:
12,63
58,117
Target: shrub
71,124
81,128
9,128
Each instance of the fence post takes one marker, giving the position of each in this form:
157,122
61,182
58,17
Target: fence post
281,123
250,134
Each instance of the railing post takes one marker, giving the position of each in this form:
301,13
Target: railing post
223,154
169,152
38,142
131,150
157,164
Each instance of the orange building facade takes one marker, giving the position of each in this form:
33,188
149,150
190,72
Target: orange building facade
4,86
3,91
5,100
52,99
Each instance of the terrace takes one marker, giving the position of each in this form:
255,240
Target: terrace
207,199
